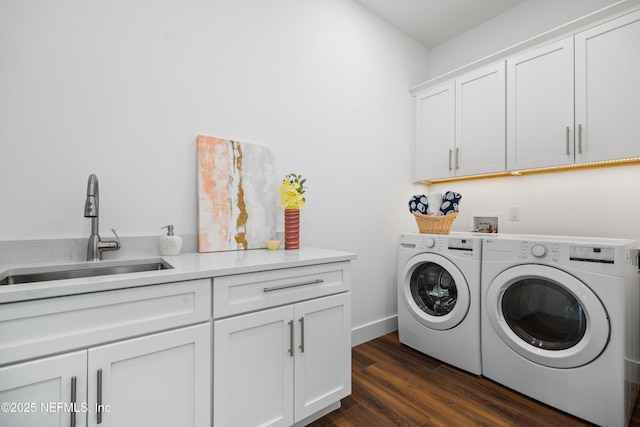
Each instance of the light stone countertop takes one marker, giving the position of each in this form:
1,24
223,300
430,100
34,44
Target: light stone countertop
188,266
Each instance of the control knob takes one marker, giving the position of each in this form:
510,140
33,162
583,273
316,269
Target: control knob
538,251
429,242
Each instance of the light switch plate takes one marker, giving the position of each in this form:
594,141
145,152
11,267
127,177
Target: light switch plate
514,214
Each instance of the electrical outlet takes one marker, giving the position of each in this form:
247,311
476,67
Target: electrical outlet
514,214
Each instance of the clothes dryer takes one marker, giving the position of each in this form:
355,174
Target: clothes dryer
560,322
439,297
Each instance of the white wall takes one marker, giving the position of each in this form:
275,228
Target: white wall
594,203
599,203
122,88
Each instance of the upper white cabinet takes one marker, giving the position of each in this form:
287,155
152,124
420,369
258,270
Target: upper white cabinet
608,90
549,125
540,124
480,119
435,132
460,126
572,101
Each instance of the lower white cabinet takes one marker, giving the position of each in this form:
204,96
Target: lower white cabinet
45,392
278,366
161,379
157,380
144,356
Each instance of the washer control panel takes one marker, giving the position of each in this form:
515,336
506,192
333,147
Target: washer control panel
601,254
427,242
540,251
460,244
457,245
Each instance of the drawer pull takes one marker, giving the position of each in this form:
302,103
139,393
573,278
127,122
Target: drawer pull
74,382
99,413
294,285
302,334
568,133
291,338
580,139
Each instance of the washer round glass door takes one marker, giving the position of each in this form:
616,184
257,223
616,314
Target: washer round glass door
434,291
547,316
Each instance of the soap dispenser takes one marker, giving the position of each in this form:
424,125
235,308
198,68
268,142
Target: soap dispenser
170,244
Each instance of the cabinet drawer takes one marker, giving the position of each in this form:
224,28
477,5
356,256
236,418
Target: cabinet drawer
46,326
243,293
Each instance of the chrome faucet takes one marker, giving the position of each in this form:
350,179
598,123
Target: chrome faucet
91,210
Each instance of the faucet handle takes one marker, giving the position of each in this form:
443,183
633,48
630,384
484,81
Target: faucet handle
118,243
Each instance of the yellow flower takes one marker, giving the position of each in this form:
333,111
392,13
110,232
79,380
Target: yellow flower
291,192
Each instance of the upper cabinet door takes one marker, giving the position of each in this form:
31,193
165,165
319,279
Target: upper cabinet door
540,125
460,126
480,121
435,132
608,90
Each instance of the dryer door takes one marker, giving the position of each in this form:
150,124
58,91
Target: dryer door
547,316
434,291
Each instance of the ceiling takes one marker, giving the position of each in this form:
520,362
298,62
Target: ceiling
433,21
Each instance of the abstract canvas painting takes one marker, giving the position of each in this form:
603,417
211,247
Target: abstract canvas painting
236,195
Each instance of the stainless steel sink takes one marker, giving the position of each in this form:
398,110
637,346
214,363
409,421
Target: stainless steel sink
74,271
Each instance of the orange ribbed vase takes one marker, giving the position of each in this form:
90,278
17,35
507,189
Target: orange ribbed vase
292,228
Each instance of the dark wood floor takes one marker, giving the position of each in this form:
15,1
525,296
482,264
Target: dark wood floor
394,385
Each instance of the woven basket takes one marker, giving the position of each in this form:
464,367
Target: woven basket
428,224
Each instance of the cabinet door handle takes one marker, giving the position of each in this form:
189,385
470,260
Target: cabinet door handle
294,285
580,139
450,155
74,382
302,334
568,132
99,409
291,338
457,158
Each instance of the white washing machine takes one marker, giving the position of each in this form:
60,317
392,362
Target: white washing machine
439,297
560,322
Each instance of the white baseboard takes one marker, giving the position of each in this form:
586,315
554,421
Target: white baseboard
373,330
